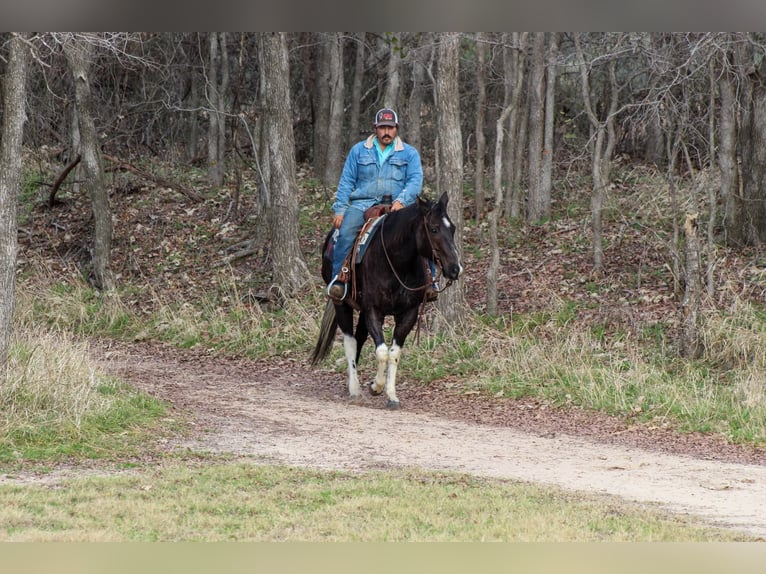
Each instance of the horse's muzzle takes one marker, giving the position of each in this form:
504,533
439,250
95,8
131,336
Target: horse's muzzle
452,271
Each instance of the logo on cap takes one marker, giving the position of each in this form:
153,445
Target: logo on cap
386,117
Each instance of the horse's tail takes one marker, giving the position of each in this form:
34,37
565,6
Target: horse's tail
326,333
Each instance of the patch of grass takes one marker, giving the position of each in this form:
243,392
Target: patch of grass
56,405
239,502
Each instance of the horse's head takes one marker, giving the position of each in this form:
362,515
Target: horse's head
440,236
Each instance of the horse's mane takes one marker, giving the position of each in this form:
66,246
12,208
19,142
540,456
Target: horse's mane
400,226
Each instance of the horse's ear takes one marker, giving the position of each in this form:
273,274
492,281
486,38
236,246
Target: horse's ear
423,205
444,199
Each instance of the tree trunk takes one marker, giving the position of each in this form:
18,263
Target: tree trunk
452,302
546,184
79,53
690,343
289,270
321,106
216,98
601,147
11,138
417,94
391,95
751,139
535,203
481,103
727,159
354,134
336,115
494,215
514,48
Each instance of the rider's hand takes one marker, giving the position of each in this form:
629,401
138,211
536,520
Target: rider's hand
337,220
397,205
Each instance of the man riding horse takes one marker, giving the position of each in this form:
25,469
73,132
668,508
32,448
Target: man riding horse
382,165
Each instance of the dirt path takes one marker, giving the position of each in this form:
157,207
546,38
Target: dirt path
283,413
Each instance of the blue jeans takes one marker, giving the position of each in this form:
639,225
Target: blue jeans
353,220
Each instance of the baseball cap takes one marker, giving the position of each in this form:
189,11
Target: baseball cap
386,117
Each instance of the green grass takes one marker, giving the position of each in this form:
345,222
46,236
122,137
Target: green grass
241,502
57,406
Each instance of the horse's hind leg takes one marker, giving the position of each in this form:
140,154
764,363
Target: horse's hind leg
349,348
346,324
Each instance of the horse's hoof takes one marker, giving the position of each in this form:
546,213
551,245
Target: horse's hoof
355,399
392,405
373,392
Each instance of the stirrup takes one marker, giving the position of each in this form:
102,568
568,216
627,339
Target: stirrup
334,289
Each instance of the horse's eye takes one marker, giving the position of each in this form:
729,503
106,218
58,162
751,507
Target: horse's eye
434,229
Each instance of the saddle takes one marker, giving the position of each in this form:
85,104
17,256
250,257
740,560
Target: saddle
373,216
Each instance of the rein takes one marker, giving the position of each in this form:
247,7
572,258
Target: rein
434,254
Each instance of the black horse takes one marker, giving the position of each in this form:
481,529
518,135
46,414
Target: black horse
390,280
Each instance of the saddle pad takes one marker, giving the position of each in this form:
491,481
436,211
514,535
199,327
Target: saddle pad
366,234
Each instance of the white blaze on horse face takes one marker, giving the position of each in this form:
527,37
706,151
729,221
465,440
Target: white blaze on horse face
349,348
446,223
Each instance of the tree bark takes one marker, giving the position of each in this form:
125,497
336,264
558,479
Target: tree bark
514,48
354,134
601,146
494,214
535,202
546,182
79,53
690,343
336,115
391,95
321,106
481,104
750,218
415,102
289,269
216,96
11,138
452,302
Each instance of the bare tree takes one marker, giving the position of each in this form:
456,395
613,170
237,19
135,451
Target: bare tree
79,49
746,224
602,144
452,302
335,125
494,214
536,205
422,53
216,90
14,117
391,95
481,103
356,90
320,104
289,269
514,48
546,179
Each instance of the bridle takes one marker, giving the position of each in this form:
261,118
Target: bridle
435,255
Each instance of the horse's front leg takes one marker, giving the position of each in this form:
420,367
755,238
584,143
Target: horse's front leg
375,327
404,324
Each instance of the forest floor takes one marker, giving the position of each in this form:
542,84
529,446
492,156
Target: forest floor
280,411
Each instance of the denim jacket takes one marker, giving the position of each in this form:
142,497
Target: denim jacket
363,182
